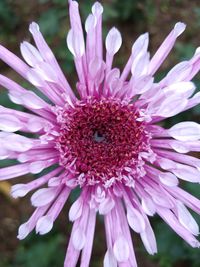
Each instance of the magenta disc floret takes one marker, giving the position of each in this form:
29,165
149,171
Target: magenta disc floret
102,138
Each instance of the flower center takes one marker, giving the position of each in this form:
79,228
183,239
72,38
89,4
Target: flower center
101,140
99,137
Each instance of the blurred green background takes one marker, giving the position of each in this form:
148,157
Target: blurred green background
132,18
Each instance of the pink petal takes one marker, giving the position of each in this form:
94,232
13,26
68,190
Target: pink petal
135,220
121,249
188,199
186,219
87,250
55,181
36,124
76,210
97,9
19,190
165,47
9,123
33,101
23,231
182,89
75,44
13,61
49,57
178,73
187,173
44,225
185,131
38,166
16,142
78,239
148,206
90,23
148,239
140,46
140,65
43,196
171,106
109,259
170,219
14,171
106,206
27,227
168,179
113,41
30,54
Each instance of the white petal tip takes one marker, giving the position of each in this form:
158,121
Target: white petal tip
106,206
197,51
97,8
109,259
36,167
75,43
121,249
19,190
72,2
195,244
179,28
135,220
78,239
23,231
144,36
185,131
113,41
34,27
168,179
44,225
90,23
43,196
76,210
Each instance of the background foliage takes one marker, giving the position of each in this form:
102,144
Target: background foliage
132,18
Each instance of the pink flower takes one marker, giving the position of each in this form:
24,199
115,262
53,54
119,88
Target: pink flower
105,140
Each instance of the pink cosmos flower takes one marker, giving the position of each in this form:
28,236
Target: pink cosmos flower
105,140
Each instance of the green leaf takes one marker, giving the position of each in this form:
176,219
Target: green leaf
44,252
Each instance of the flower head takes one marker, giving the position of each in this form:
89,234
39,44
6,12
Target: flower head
106,140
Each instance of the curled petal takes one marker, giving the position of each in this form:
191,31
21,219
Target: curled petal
166,47
78,239
186,219
113,41
106,206
19,190
135,220
148,239
185,131
44,225
168,179
9,123
43,196
23,231
97,9
148,206
121,249
109,259
30,54
76,210
75,44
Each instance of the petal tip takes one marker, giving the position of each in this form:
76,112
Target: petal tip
34,27
97,8
179,28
